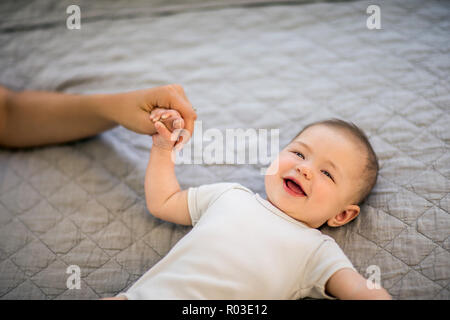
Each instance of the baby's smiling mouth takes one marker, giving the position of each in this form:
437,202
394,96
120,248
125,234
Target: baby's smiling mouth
293,187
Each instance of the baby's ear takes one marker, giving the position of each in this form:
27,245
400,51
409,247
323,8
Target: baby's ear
347,215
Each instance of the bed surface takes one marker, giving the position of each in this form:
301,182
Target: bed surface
272,66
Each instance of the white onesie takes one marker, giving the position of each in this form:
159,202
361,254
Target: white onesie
242,247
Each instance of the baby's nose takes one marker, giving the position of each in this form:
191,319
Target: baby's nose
305,170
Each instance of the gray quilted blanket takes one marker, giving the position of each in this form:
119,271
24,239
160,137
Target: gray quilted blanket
265,65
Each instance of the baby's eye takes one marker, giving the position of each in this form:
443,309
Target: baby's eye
328,174
299,154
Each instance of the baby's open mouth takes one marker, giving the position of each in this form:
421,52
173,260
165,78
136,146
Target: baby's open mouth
293,187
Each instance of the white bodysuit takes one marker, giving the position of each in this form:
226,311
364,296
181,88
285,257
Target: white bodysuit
242,247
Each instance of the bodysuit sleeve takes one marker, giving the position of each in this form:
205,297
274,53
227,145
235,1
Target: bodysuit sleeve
325,261
201,198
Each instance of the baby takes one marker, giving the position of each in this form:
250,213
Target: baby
243,246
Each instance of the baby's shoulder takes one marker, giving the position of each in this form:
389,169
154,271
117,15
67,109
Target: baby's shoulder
226,186
217,190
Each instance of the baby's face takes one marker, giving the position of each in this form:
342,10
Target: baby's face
317,176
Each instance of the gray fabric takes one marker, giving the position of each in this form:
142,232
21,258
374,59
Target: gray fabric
268,66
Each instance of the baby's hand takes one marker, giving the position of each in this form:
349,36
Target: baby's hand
168,124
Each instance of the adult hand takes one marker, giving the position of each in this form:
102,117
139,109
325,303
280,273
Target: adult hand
132,109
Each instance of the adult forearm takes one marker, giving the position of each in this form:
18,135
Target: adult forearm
160,180
32,118
130,109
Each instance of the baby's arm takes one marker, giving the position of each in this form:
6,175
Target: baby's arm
164,197
347,284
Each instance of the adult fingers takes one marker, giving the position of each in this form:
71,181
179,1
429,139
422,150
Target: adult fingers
184,107
178,123
156,114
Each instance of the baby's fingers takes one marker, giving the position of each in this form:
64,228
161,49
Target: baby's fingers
172,120
165,133
162,130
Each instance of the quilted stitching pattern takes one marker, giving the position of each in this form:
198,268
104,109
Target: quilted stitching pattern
260,67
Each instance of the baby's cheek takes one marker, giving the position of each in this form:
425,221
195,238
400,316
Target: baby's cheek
286,160
325,195
273,169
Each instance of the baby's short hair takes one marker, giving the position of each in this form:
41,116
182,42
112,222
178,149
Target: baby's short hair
370,174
